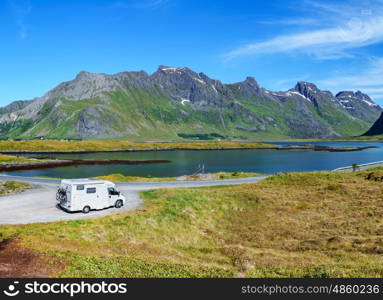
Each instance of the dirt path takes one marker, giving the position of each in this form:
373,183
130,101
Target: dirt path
18,262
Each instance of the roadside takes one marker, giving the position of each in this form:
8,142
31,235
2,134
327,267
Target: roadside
360,167
315,224
13,187
39,204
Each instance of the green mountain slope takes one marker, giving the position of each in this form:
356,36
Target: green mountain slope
177,102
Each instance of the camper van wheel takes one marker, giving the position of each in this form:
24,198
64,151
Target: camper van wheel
86,209
118,204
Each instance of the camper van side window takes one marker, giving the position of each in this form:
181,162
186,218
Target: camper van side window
91,190
80,187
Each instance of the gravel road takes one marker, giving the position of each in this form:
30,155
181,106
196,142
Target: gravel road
39,204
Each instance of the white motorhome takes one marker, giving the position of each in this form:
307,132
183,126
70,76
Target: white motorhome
86,194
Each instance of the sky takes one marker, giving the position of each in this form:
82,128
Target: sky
338,45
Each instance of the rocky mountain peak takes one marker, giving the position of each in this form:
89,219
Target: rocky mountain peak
251,81
86,85
305,87
360,94
164,68
248,87
344,94
185,84
350,94
347,98
175,74
358,104
308,90
84,75
174,70
183,96
363,96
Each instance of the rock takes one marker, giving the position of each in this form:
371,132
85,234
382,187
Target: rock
358,105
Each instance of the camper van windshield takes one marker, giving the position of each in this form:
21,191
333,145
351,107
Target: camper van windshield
113,191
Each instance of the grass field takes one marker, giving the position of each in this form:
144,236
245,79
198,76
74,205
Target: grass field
6,159
319,224
212,176
374,138
97,145
100,145
7,187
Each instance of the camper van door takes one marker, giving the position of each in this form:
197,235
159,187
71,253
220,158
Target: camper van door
113,195
91,196
103,195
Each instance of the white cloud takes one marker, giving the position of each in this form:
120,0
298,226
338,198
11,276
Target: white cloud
290,21
373,90
336,9
371,76
369,80
20,9
325,43
351,28
378,98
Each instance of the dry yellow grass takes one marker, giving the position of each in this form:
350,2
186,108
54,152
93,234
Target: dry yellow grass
12,159
7,187
318,224
91,145
212,176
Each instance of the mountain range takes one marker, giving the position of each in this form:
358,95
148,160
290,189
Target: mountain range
178,102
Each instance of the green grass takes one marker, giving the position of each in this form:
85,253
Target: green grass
6,159
374,138
319,224
7,187
98,145
213,176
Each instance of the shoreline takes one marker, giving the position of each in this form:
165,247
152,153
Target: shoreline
73,162
288,147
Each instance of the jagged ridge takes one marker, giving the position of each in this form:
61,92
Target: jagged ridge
174,101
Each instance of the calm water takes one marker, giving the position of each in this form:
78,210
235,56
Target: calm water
186,162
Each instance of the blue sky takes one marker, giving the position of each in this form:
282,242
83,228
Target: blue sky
337,45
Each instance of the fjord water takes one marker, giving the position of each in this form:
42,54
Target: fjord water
186,162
